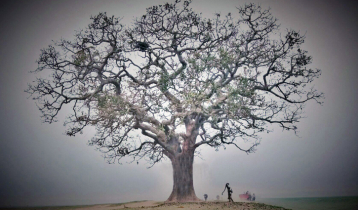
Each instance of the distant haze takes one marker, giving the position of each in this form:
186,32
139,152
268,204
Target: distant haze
39,165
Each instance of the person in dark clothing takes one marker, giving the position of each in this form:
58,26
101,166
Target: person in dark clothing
229,192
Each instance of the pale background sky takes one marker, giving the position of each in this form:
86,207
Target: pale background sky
39,165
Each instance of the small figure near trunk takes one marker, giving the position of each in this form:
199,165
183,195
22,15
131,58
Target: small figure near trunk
206,196
229,192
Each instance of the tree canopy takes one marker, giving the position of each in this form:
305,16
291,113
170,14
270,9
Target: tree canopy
174,81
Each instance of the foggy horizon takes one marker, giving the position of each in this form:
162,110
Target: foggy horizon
41,166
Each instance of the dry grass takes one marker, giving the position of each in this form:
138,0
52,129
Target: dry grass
153,205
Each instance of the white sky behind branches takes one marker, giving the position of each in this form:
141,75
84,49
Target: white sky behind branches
42,166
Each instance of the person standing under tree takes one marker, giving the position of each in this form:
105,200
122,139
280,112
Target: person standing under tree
229,192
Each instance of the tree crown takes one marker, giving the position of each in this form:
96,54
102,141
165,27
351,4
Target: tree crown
175,76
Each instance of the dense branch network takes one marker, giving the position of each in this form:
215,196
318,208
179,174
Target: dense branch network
175,81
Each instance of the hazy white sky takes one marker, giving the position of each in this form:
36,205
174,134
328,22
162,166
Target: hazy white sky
39,165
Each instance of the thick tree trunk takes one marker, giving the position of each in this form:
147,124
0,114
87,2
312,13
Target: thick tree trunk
183,186
182,161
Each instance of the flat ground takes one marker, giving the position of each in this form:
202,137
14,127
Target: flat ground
154,205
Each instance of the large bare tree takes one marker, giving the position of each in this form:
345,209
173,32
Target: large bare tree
174,81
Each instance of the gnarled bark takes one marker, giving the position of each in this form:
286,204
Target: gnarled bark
183,185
